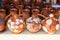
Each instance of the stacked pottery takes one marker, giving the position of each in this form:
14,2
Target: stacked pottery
35,7
56,13
50,24
26,13
20,9
5,3
15,23
37,2
46,11
27,2
28,7
2,21
33,23
16,2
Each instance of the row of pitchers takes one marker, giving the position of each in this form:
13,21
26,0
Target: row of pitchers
28,2
17,24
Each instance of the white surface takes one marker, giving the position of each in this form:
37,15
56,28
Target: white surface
26,35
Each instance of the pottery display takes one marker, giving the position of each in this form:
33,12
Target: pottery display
16,2
2,12
56,13
33,23
5,3
50,24
25,13
20,9
2,20
37,2
33,15
15,23
45,12
28,7
27,2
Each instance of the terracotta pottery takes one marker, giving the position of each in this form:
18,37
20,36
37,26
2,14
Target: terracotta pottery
20,9
56,13
5,3
16,2
34,22
2,20
2,13
27,2
28,7
35,7
25,14
50,24
15,23
37,2
45,12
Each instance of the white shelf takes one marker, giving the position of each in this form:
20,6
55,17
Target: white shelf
27,32
26,35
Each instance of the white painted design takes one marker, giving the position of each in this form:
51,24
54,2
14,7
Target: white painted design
21,21
29,19
16,22
37,20
57,27
45,29
55,19
9,21
49,22
8,25
16,27
15,30
12,23
29,26
12,27
51,15
21,26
